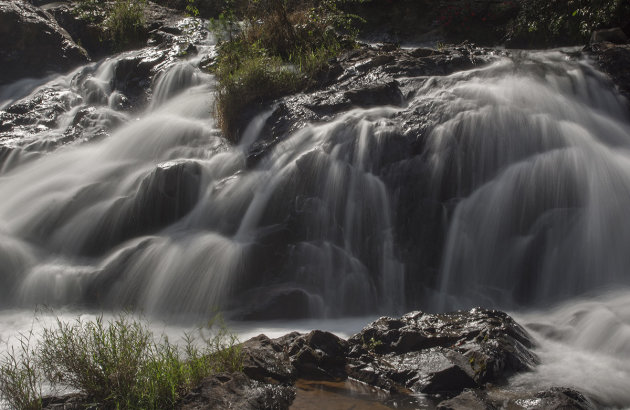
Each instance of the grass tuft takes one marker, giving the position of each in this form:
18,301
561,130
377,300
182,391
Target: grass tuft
117,364
280,48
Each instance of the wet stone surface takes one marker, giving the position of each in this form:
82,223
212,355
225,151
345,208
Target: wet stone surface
89,103
457,360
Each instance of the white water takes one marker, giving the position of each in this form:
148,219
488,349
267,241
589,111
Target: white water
533,150
584,344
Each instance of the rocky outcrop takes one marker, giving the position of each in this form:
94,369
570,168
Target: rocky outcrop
458,360
614,59
32,44
93,36
440,353
364,77
95,99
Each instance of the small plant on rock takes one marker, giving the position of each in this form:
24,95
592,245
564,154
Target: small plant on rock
118,364
278,48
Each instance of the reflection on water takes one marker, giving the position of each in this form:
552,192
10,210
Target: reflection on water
350,394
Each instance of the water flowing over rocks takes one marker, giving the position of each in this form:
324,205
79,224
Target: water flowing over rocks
32,44
87,104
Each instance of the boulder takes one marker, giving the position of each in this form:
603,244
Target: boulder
440,353
614,60
32,44
612,35
237,391
319,355
268,360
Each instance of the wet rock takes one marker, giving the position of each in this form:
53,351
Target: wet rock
469,399
165,195
555,398
437,363
87,32
364,77
32,44
319,355
376,95
237,391
52,114
265,359
75,401
612,35
440,353
614,59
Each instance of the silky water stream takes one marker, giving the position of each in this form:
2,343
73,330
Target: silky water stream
527,160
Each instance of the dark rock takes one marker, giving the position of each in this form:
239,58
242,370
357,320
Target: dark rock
613,35
165,195
265,359
375,95
555,398
32,44
74,401
469,399
237,391
87,32
319,355
614,60
368,76
441,353
440,364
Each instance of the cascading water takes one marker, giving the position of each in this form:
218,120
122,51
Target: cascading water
515,198
166,216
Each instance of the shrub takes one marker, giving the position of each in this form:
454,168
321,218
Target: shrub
543,23
125,23
118,364
90,10
279,49
21,377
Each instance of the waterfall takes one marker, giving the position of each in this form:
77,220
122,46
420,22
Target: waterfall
516,197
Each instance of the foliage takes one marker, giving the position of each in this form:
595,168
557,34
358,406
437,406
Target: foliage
21,377
117,364
191,8
90,10
125,22
279,47
371,344
566,22
121,21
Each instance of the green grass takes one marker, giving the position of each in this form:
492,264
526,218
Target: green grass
280,49
125,23
118,364
121,22
21,377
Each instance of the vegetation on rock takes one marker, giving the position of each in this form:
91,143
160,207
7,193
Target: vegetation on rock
115,364
543,23
279,47
122,21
